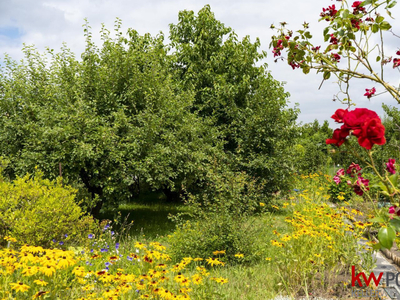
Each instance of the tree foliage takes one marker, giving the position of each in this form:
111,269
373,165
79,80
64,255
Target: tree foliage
133,115
243,101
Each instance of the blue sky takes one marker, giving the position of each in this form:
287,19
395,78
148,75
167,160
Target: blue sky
52,22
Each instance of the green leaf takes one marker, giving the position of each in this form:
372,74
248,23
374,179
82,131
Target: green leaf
375,28
392,4
376,220
327,75
385,25
377,246
382,187
379,19
308,35
394,178
378,58
395,224
345,13
386,236
306,70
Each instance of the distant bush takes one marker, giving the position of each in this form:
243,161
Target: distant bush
35,211
223,213
200,238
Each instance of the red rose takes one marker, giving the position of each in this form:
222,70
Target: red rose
362,123
339,114
373,132
338,138
354,119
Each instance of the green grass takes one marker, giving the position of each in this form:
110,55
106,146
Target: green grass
149,214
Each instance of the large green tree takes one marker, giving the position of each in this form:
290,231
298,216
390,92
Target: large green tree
239,95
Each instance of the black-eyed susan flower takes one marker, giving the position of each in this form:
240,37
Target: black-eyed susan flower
40,282
40,294
214,261
19,287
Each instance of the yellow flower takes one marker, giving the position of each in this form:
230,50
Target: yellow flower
47,270
268,258
40,282
219,252
10,239
110,293
30,270
276,243
39,294
197,279
198,259
276,207
219,280
239,255
140,245
19,287
214,261
262,204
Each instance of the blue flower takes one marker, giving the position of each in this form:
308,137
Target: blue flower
112,232
61,243
103,250
116,245
54,241
106,227
90,236
65,235
129,258
107,264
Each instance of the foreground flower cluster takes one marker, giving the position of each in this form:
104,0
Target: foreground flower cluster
362,123
38,273
359,185
317,238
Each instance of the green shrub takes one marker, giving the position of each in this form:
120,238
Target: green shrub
202,237
222,217
35,211
339,192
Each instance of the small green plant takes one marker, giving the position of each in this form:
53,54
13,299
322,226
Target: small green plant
339,192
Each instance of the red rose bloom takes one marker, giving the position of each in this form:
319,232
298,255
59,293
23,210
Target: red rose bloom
339,114
370,92
373,132
338,138
363,123
354,119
